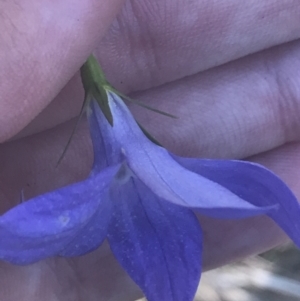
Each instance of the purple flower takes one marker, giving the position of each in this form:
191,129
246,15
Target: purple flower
139,196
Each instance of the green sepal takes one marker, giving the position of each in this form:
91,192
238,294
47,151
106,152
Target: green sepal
148,135
82,111
96,86
141,104
95,83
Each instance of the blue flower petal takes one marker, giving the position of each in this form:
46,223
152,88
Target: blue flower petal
157,243
47,224
91,236
255,184
154,166
107,151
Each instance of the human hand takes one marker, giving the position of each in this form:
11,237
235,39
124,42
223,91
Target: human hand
247,107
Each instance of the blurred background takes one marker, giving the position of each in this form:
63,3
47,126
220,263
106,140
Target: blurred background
272,276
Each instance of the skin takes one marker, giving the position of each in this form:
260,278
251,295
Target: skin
229,70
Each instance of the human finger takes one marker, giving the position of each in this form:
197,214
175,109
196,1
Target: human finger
42,44
235,111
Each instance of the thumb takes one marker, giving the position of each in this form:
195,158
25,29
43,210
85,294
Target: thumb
42,44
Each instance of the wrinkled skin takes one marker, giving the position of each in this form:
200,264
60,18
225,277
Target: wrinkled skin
211,63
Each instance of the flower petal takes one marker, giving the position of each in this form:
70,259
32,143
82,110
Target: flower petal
168,179
107,151
257,185
53,223
157,243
